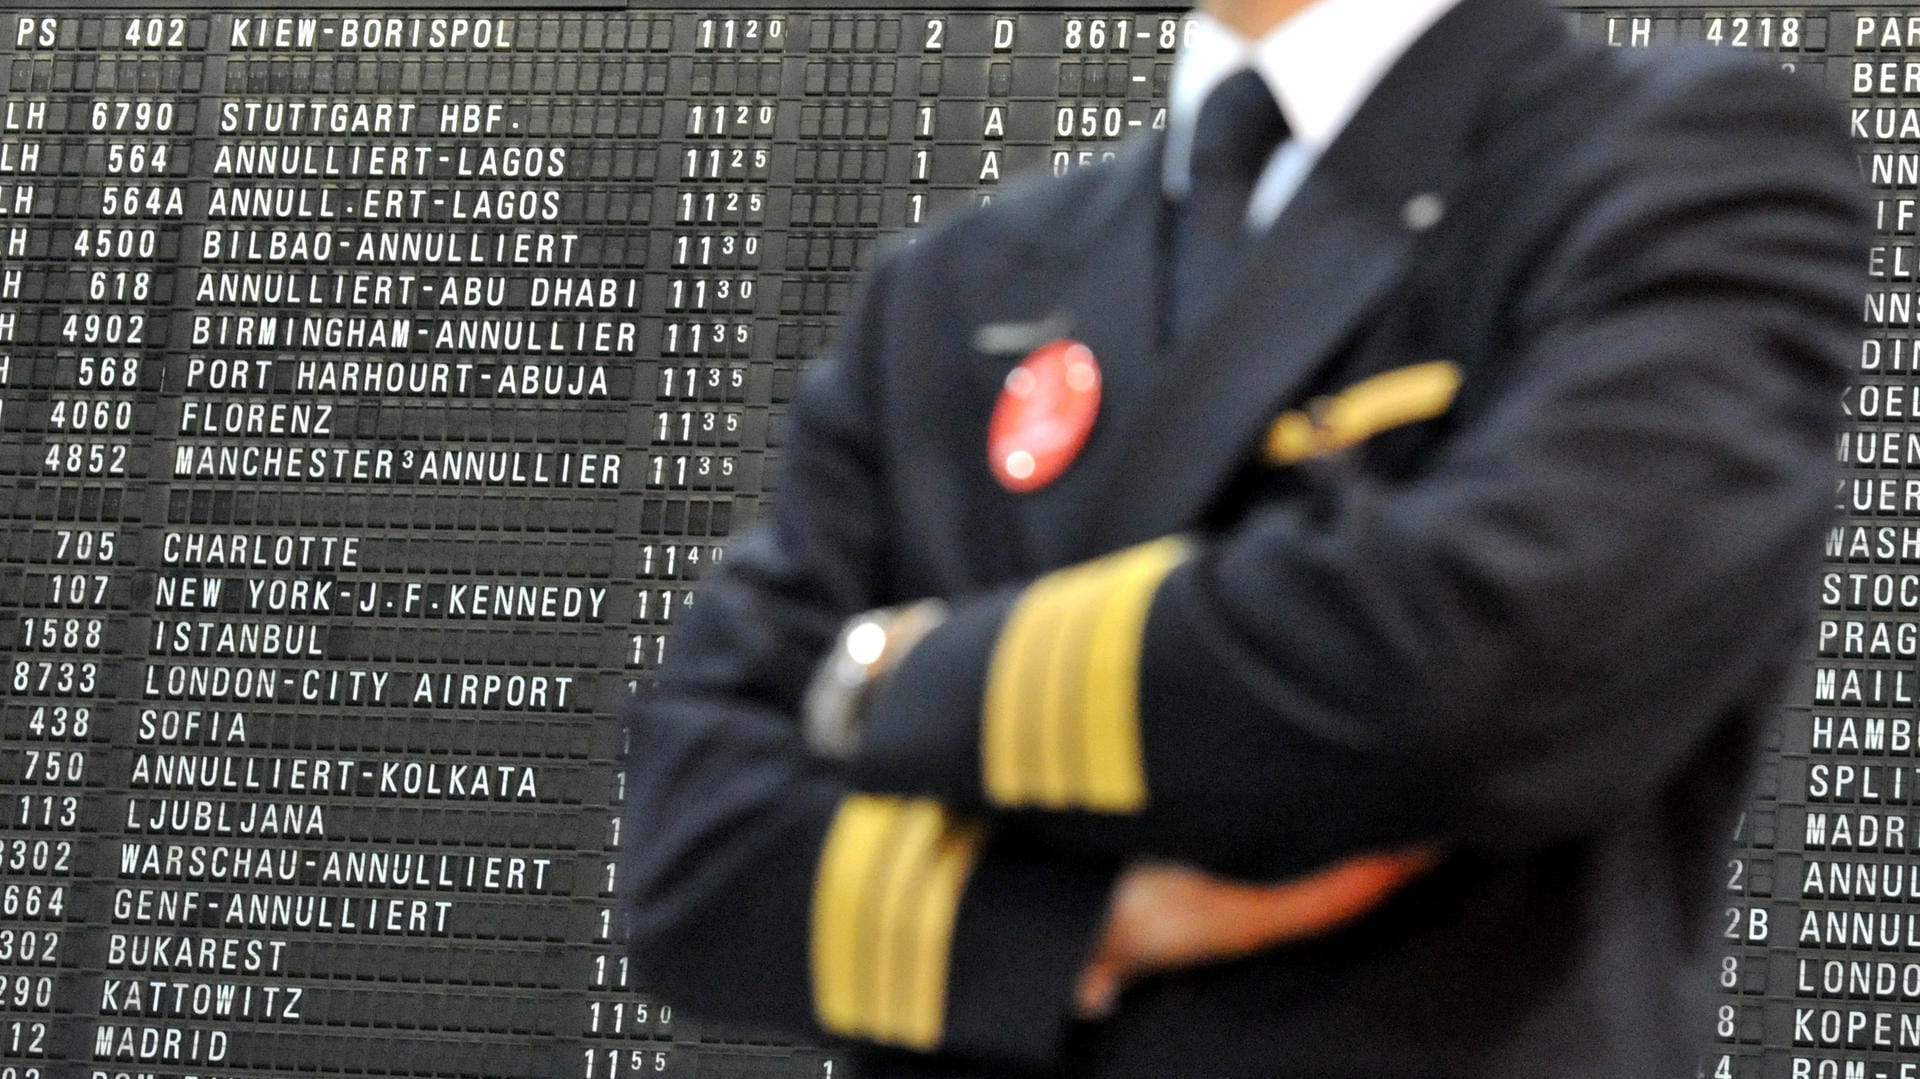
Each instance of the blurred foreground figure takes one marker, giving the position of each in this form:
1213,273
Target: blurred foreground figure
1367,522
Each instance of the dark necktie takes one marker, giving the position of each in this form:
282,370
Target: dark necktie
1239,127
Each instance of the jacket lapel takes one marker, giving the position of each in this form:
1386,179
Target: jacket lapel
1333,255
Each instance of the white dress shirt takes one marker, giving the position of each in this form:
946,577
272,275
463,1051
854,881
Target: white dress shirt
1320,64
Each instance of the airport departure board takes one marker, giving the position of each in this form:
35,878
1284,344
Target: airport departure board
376,382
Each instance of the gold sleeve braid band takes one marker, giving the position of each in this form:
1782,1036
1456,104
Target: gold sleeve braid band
885,902
1061,723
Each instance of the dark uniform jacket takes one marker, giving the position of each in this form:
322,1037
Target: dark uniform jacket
1482,514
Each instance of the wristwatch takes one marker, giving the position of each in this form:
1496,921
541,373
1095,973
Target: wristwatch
847,681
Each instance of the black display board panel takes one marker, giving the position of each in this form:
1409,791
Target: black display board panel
354,459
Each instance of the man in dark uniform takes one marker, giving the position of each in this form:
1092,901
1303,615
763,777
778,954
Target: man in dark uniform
1420,478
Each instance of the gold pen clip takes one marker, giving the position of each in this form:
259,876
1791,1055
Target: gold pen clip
1337,421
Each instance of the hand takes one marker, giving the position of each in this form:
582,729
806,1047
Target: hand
1170,917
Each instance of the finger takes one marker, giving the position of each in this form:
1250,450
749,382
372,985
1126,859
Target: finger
1251,917
1169,917
1098,992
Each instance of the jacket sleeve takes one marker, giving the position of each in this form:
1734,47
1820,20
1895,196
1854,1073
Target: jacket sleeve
1523,641
759,886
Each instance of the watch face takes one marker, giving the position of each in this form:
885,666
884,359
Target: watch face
832,706
866,641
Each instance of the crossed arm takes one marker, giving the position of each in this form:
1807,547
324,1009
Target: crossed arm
1527,638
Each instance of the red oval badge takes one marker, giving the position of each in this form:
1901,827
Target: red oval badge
1045,413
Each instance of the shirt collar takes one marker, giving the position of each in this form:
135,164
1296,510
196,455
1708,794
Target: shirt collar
1320,64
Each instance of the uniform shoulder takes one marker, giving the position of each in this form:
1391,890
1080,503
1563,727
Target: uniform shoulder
1728,83
1589,92
1632,157
1591,123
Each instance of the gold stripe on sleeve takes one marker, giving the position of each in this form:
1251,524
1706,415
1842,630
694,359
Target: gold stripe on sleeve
1069,615
1114,762
900,879
849,862
1065,731
949,864
885,902
1060,727
1009,750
